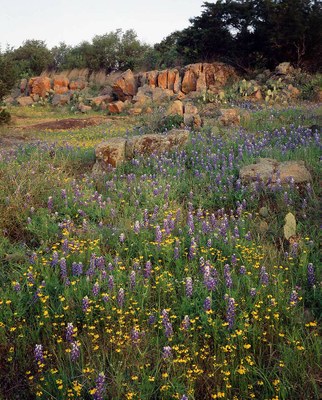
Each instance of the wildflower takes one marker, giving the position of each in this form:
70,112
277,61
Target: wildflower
310,275
96,289
252,292
50,203
166,352
75,352
85,303
147,269
263,276
132,279
122,238
227,276
166,324
120,298
69,332
242,270
158,235
110,282
38,353
189,287
207,304
186,323
136,227
192,249
99,388
77,269
230,316
294,298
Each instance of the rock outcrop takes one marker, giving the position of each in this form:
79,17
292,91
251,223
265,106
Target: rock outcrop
274,172
114,151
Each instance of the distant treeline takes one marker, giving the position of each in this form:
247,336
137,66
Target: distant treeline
245,33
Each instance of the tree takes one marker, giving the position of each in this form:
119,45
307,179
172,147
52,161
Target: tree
31,58
7,75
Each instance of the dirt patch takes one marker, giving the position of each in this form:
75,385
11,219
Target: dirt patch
69,123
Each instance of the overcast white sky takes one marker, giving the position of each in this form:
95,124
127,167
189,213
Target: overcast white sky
73,21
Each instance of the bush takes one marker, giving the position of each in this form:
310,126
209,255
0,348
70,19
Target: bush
5,117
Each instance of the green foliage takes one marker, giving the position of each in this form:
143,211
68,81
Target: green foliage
5,116
7,75
31,58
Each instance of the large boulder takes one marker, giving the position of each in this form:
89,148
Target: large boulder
152,77
116,107
61,84
110,153
163,79
97,101
78,84
125,87
273,171
155,143
114,151
61,99
159,95
229,116
40,86
191,117
25,101
175,108
189,82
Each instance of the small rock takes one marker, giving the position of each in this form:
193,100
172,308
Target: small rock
229,116
25,101
263,227
116,107
84,109
263,212
290,226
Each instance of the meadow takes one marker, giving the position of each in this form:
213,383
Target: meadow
167,277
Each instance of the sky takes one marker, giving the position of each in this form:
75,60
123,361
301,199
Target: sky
72,21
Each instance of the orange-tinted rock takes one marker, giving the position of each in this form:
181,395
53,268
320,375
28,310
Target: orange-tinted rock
171,78
152,77
23,85
116,107
61,84
135,111
40,86
101,99
163,79
79,84
189,82
177,83
201,82
125,87
175,108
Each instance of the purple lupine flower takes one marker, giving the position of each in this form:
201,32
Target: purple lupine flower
75,351
242,270
70,332
189,287
132,279
120,297
77,269
248,236
227,276
158,235
176,253
137,227
64,194
96,289
38,353
147,269
192,249
54,259
166,324
190,224
252,292
186,322
122,238
16,287
233,259
166,352
184,397
207,304
231,310
151,319
110,283
105,297
63,268
65,246
85,304
100,387
294,298
263,276
135,335
50,203
146,218
310,275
